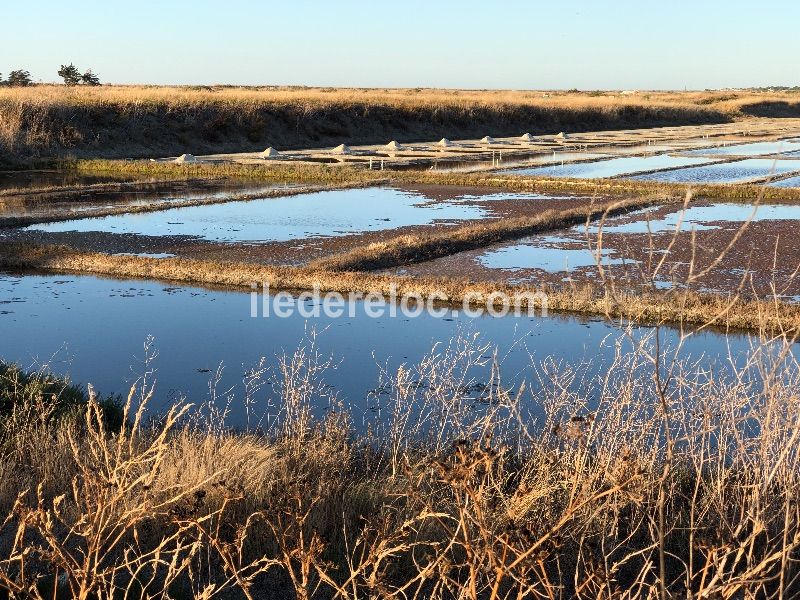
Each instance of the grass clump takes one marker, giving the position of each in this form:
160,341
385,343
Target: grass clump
47,398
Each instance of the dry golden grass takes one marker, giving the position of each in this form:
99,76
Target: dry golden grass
245,97
133,121
270,171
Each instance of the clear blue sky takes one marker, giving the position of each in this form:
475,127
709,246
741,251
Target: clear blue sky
585,44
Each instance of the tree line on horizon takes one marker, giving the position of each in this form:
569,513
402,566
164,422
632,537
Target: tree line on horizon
69,73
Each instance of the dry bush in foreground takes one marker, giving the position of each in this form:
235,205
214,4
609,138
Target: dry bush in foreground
624,486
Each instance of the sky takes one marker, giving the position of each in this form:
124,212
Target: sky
513,44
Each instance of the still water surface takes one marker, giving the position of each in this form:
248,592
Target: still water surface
94,329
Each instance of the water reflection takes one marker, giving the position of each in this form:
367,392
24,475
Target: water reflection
94,330
738,171
328,213
612,167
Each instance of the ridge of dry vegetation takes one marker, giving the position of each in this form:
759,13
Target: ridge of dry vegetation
140,121
643,305
425,246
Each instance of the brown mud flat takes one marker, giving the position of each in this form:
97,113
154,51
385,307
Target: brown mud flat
760,259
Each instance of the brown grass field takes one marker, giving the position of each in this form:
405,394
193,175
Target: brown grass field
46,121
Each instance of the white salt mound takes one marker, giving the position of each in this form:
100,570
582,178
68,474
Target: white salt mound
561,136
393,145
445,143
526,137
186,158
488,140
342,149
270,153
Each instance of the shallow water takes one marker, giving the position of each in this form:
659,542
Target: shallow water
94,329
699,218
535,256
743,170
754,149
611,167
328,213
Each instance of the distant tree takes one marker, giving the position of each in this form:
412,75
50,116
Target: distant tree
19,77
90,78
70,74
